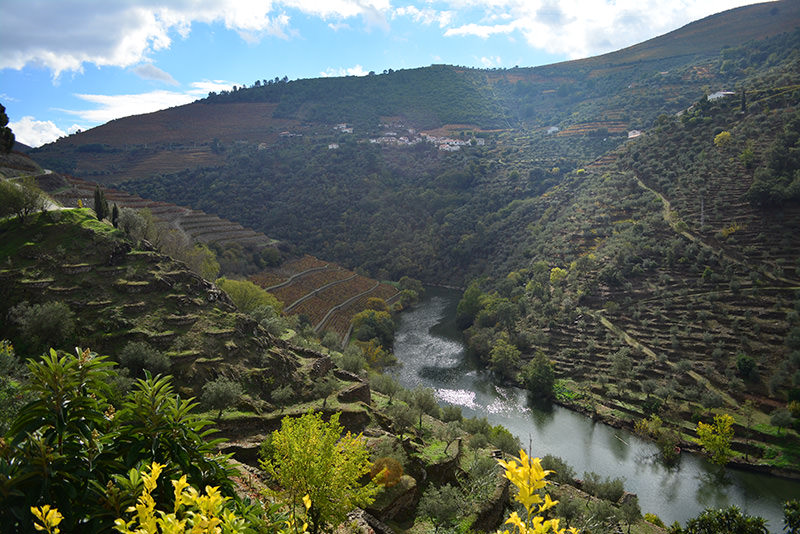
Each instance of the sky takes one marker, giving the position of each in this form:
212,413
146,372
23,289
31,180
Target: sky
68,65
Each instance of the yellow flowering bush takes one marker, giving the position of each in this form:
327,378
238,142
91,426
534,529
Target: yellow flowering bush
192,512
528,476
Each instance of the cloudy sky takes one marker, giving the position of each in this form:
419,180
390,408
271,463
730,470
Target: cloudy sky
74,64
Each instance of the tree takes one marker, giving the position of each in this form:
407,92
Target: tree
723,521
311,457
139,356
716,438
51,323
373,324
424,401
384,384
283,395
89,446
781,418
20,198
100,204
247,296
402,417
441,505
115,215
6,135
504,358
631,512
220,394
468,306
324,386
722,139
539,376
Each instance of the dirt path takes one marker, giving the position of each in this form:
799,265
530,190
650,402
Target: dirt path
671,217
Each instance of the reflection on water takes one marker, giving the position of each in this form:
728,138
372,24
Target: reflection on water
428,346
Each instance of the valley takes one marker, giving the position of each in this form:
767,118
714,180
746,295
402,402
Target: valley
619,237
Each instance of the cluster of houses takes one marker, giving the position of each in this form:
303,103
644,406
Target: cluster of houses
446,144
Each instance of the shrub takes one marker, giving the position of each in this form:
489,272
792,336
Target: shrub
563,473
139,356
607,489
51,323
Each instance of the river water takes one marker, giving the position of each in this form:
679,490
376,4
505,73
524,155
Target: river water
428,345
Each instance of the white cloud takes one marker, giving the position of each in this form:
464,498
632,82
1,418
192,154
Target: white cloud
426,15
358,70
581,28
66,34
35,133
491,61
109,107
201,89
148,71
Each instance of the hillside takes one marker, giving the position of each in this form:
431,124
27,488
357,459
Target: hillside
664,279
324,293
623,90
656,269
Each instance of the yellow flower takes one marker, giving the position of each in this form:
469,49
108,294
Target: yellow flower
49,517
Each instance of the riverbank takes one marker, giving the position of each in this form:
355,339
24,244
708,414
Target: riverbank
432,352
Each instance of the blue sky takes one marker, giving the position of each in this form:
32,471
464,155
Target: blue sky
74,64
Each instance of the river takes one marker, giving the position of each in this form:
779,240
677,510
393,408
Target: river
429,348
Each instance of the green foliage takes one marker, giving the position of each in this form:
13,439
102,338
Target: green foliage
69,445
402,416
424,402
563,473
140,356
441,505
722,521
247,296
538,376
746,366
352,359
42,324
716,438
791,516
12,376
504,359
374,324
21,198
384,384
781,418
6,135
311,457
100,204
609,489
221,393
468,306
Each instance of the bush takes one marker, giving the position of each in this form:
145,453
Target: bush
607,489
139,356
563,473
40,325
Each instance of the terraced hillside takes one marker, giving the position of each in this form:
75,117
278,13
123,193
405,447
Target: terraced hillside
659,280
118,294
328,295
199,226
